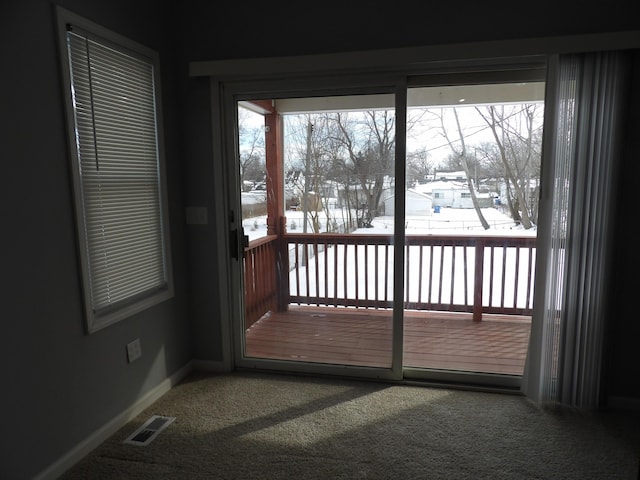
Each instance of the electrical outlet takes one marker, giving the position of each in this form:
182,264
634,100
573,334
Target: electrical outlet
134,350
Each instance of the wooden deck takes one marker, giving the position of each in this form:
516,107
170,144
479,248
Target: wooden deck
362,337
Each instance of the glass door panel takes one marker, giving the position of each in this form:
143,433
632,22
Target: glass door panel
316,175
473,173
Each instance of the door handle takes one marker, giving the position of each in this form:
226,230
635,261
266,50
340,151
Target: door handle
237,248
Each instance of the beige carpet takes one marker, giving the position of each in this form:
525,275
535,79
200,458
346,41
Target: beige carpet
267,426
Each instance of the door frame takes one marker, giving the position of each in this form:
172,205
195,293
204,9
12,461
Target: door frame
403,61
246,91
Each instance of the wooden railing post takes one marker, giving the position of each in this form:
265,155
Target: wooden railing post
282,267
276,222
478,280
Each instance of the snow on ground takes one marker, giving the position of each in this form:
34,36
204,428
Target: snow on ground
449,221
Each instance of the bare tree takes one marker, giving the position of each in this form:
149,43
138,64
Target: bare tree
516,131
459,149
419,166
369,141
251,147
316,151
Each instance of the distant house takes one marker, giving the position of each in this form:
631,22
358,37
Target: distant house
417,203
452,194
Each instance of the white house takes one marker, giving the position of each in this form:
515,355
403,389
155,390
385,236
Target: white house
452,194
417,203
444,193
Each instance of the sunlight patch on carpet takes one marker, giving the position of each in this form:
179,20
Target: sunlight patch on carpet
338,420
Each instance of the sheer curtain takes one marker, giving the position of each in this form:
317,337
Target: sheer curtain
585,107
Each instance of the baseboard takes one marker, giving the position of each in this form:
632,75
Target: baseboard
624,403
85,447
210,366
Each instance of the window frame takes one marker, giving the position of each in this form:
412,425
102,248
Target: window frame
134,300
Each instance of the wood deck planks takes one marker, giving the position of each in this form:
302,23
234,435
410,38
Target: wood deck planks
362,337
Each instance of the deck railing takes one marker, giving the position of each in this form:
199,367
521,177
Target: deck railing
260,277
479,274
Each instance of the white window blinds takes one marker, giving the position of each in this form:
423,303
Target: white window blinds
117,179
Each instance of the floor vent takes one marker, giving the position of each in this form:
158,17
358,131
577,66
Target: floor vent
149,430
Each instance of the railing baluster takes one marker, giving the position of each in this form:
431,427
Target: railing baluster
326,273
317,276
529,278
478,283
386,274
504,274
491,270
336,247
273,286
515,279
407,270
306,270
441,272
466,278
366,272
297,267
259,268
420,249
248,289
453,272
376,276
430,292
355,256
344,273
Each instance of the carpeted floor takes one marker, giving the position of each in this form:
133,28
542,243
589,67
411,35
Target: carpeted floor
246,425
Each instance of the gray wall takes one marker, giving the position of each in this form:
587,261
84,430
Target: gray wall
60,384
623,345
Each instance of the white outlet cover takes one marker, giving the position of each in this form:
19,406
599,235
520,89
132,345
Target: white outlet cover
134,350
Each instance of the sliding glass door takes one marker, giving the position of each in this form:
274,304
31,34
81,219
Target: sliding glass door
388,231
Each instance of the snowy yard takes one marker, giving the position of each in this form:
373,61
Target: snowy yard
450,221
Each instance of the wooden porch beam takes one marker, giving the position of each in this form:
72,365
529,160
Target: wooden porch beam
276,221
275,171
